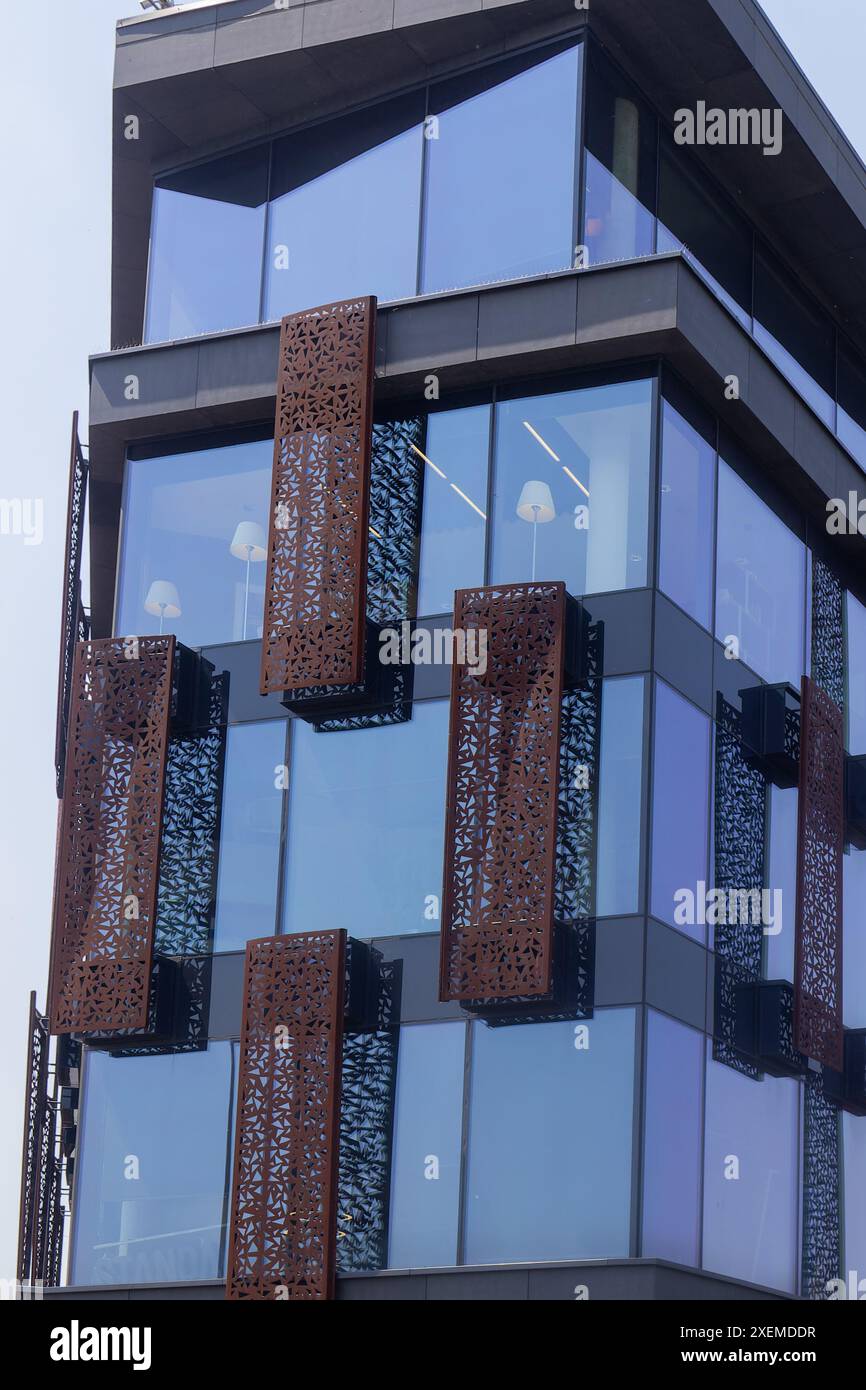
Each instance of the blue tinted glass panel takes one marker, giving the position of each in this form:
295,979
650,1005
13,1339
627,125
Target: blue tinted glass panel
782,880
185,567
571,480
621,156
550,1141
206,247
796,336
856,674
685,545
680,810
619,796
854,1200
751,1220
851,422
672,1140
153,1177
854,940
760,583
249,851
500,177
345,208
617,226
454,522
425,1177
366,822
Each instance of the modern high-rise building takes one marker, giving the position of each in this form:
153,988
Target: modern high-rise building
461,762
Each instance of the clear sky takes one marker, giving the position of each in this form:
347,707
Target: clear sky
55,112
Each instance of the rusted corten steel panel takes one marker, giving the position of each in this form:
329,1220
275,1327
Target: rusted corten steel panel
820,845
315,595
503,775
73,622
284,1192
110,829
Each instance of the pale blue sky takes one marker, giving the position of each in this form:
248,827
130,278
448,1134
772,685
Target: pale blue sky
55,111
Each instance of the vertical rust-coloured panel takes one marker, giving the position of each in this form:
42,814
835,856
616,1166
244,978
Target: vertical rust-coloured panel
315,594
503,774
110,828
820,845
73,622
284,1191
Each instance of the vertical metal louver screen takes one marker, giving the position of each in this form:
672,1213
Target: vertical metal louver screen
282,1243
503,783
315,595
110,829
74,625
820,845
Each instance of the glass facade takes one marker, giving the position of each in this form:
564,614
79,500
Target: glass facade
620,790
250,833
454,524
153,1183
686,508
680,810
672,1140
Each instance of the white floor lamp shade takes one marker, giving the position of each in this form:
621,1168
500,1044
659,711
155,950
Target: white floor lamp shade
163,601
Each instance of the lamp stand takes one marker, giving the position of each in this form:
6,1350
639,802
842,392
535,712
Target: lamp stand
535,511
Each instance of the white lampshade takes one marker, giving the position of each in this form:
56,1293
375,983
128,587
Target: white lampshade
249,542
536,503
163,598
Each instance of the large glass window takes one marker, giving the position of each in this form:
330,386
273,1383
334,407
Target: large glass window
345,208
249,851
854,1194
695,219
550,1140
680,811
760,583
454,525
154,1173
571,482
686,522
428,1126
851,424
207,233
501,174
672,1140
620,783
366,826
855,693
194,544
796,335
621,147
782,877
751,1185
854,940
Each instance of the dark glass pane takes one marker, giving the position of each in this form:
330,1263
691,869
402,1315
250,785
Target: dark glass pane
686,516
367,823
751,1177
186,566
760,583
249,851
620,167
854,1207
153,1178
620,782
428,1124
855,693
798,337
672,1138
454,523
345,208
206,247
571,482
783,878
501,175
680,810
851,424
853,940
696,219
550,1140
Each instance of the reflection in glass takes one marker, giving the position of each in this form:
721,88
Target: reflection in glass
428,1123
686,520
760,582
366,826
550,1141
855,692
454,521
783,876
851,422
854,1205
853,939
751,1222
206,240
179,564
345,201
249,851
796,336
672,1138
153,1179
500,175
680,806
621,140
619,796
590,449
